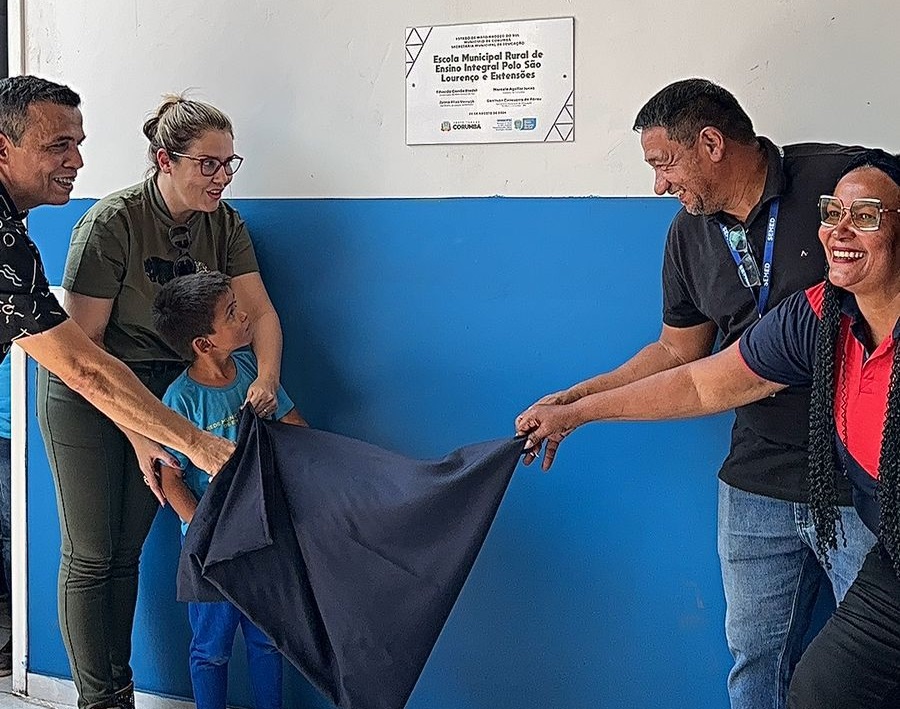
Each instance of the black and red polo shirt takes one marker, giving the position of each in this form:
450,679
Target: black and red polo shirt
781,348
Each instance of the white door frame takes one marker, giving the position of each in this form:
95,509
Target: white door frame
19,521
19,593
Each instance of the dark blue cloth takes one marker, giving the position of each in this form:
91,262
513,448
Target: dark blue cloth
348,556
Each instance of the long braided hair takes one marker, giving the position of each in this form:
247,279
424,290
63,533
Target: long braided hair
822,475
823,466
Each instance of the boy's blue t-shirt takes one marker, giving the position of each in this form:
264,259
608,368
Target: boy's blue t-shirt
215,409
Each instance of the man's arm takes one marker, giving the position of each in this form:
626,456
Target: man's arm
676,346
109,385
177,493
707,386
92,315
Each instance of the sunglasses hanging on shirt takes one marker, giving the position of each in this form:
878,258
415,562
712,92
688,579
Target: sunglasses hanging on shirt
181,238
748,270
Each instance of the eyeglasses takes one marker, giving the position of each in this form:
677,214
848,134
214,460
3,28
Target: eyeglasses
209,166
865,213
747,269
181,238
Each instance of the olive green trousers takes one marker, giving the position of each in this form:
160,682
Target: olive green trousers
105,513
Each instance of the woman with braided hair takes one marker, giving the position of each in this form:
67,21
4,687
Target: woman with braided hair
840,337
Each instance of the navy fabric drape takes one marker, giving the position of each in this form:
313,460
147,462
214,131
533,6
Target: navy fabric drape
348,556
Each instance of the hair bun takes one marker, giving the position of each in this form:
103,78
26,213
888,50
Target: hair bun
177,122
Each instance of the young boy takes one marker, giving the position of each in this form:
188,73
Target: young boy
198,316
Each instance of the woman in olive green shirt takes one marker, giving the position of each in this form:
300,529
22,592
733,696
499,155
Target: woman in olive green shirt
122,251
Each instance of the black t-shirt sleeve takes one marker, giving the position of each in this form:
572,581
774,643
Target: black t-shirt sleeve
27,307
781,347
679,304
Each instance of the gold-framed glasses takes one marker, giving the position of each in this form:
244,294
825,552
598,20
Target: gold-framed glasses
865,212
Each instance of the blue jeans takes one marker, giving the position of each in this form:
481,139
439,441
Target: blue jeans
5,509
771,573
214,626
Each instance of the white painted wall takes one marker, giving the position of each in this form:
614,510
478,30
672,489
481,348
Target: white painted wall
316,88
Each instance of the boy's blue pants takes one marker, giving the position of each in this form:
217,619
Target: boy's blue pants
214,626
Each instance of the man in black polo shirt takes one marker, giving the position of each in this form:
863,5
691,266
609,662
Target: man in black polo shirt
745,239
40,135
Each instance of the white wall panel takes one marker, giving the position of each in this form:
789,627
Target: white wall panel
316,88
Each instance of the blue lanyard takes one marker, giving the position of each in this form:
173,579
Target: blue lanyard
766,273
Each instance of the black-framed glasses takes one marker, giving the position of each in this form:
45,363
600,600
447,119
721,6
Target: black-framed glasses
747,269
865,212
181,238
209,165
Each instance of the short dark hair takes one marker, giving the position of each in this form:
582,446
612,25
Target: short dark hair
879,159
17,93
185,309
686,107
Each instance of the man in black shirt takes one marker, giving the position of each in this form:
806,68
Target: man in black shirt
745,239
40,135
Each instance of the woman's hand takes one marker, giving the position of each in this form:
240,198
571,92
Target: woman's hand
263,396
148,453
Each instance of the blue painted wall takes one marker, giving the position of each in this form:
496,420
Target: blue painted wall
423,325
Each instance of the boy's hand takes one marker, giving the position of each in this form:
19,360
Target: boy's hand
263,397
148,453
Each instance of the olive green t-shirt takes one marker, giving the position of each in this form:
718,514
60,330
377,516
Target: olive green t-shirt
122,249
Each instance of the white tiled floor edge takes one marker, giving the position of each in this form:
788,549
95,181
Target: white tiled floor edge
61,693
